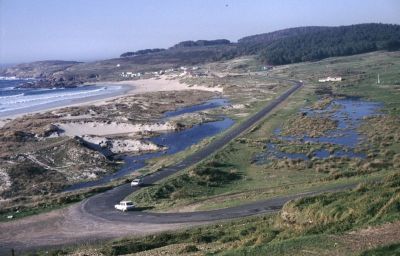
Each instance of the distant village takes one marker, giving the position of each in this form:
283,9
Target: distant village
193,71
181,71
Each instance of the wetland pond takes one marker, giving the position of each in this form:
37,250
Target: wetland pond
343,141
174,142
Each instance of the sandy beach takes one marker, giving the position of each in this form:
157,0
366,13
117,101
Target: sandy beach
125,88
147,85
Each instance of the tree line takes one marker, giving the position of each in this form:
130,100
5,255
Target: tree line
330,42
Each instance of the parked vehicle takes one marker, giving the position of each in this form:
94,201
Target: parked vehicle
136,182
125,206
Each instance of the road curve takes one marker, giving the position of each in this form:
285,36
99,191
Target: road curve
96,219
102,205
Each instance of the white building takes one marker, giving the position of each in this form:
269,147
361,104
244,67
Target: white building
130,74
330,79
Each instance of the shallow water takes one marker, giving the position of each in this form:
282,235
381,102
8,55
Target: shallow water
348,113
175,142
210,104
25,100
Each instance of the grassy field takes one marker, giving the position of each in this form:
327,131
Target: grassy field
230,177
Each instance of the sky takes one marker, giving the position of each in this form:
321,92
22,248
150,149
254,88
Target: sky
85,30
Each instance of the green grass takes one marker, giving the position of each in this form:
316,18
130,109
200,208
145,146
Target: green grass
312,225
388,250
30,211
180,189
308,245
27,206
285,177
288,232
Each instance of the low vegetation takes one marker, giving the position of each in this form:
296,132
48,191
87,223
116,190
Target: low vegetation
379,146
388,250
197,182
308,126
313,224
37,161
232,176
23,206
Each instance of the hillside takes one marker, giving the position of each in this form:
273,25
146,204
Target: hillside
37,69
66,74
253,44
280,47
316,43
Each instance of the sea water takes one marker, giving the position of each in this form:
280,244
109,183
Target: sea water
14,100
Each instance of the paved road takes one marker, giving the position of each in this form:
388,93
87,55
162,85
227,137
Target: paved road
102,205
95,218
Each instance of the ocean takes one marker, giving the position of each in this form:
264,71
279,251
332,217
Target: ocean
25,100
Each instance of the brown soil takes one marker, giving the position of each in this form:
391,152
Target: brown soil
69,226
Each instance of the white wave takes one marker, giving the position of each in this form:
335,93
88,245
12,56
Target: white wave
47,96
22,101
11,96
7,88
8,78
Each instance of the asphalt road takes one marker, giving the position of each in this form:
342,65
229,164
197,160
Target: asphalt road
96,219
102,205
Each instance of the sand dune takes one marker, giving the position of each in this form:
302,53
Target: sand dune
122,145
109,128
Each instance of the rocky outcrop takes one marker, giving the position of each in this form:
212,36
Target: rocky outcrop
38,69
52,83
118,146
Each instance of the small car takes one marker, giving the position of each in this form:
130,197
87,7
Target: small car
125,206
136,182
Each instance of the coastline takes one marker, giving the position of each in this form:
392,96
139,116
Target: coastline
128,88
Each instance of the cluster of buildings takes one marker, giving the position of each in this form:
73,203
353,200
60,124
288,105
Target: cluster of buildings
184,71
130,74
330,79
183,68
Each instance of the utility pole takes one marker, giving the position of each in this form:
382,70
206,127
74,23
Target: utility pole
379,81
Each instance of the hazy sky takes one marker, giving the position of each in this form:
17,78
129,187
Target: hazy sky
95,29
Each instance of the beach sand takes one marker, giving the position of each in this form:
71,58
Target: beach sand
110,128
127,88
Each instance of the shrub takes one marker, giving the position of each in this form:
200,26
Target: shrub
189,248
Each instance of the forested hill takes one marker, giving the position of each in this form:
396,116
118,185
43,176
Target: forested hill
276,48
141,52
262,39
284,46
201,43
315,43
